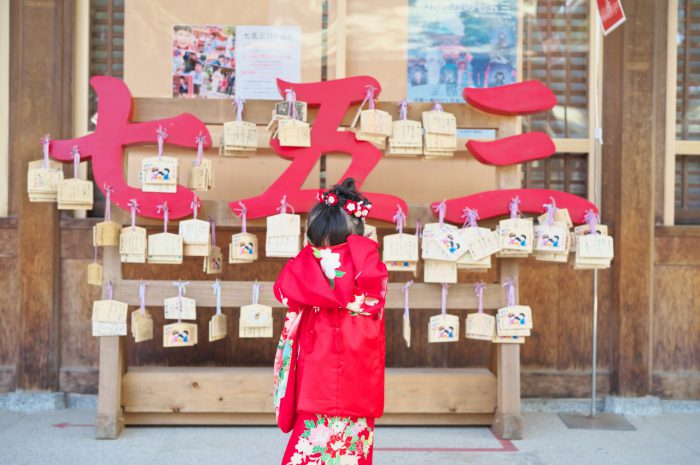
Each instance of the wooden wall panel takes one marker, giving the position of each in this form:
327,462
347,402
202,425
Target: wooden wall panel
9,304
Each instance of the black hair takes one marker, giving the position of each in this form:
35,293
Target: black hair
331,224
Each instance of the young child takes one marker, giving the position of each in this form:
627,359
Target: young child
329,367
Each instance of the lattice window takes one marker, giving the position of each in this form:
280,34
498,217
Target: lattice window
555,51
687,189
564,172
688,71
106,41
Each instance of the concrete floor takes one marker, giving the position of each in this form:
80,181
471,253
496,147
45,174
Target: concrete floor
34,438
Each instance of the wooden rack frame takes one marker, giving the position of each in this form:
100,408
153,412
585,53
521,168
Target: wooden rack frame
237,395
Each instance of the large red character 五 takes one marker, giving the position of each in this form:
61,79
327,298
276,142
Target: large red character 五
333,99
115,132
523,98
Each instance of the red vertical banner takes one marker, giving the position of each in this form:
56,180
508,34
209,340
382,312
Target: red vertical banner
611,14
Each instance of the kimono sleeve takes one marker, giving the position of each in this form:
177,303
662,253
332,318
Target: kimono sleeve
371,277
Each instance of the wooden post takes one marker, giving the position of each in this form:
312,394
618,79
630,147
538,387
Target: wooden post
39,103
508,422
110,416
630,130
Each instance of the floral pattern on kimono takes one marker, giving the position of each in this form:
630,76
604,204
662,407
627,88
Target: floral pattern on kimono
333,440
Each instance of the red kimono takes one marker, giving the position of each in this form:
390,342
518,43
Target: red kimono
329,368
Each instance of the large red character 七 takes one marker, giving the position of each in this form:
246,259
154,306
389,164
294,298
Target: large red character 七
333,99
105,147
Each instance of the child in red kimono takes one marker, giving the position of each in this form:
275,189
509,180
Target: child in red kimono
329,367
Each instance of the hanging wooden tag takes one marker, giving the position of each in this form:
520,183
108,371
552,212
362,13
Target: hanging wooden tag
438,271
439,122
180,308
165,248
371,232
240,137
515,317
42,182
481,242
109,318
243,248
282,246
595,246
443,328
94,274
75,194
406,133
213,263
284,224
561,215
480,326
400,248
282,110
375,122
106,233
516,236
255,321
132,245
159,175
141,325
293,133
196,237
451,243
201,177
218,327
430,248
551,239
179,334
377,141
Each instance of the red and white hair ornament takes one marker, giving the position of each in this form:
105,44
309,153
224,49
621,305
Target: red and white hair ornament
328,198
357,209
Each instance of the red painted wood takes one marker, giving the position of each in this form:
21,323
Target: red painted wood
495,203
105,147
512,150
333,99
522,98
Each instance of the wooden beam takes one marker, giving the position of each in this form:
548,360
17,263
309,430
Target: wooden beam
39,103
248,390
628,190
237,293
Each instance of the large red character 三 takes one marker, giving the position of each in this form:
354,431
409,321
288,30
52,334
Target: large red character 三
333,98
523,98
105,147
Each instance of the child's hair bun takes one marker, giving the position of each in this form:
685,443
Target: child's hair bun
346,191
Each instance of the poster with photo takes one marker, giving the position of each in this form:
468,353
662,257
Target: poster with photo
203,61
460,43
263,54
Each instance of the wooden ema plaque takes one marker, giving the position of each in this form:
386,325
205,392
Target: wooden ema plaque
74,194
240,139
133,245
165,248
42,181
196,237
213,263
255,321
106,233
201,176
283,235
109,318
443,328
480,326
243,248
179,334
141,325
218,327
159,174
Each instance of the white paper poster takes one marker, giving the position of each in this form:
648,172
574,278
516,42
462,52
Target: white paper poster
263,54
